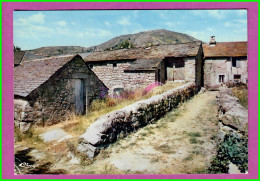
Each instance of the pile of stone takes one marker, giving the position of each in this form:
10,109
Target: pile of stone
117,124
233,124
231,114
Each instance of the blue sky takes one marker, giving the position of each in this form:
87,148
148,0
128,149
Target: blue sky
34,29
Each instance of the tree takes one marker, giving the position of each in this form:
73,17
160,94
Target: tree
126,44
16,48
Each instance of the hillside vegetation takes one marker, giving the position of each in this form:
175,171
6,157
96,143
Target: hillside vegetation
146,38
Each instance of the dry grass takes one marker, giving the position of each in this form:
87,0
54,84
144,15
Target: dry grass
241,93
76,125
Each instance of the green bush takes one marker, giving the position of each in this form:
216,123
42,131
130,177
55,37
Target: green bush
234,149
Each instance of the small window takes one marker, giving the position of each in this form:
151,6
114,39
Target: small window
179,63
237,78
221,78
114,64
118,92
235,62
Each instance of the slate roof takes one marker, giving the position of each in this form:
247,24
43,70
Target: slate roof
154,52
30,56
144,64
18,57
30,75
226,49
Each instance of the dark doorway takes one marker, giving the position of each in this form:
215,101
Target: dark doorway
159,75
79,95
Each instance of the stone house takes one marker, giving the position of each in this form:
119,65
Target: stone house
131,68
47,90
225,62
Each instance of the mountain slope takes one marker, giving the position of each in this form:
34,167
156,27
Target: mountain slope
58,50
145,38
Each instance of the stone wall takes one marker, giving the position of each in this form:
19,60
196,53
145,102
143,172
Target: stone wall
230,113
113,75
54,100
233,134
117,124
223,66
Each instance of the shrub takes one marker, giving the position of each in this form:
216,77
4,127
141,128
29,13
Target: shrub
194,134
232,149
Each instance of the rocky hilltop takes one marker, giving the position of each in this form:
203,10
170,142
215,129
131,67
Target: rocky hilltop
146,38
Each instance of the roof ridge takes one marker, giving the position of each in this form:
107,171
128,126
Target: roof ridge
47,58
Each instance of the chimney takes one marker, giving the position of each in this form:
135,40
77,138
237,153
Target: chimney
212,41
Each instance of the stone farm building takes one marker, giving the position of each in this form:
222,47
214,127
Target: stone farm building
225,62
47,90
131,68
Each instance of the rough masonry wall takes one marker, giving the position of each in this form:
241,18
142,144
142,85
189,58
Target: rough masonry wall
233,134
115,77
114,125
53,101
189,70
223,66
230,113
199,68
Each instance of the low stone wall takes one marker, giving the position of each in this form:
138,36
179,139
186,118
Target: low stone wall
232,150
117,124
230,113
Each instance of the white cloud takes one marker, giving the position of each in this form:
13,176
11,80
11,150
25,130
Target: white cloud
124,21
33,19
135,13
62,23
217,14
32,32
242,21
169,24
80,35
227,24
238,24
193,33
242,12
107,23
98,33
37,18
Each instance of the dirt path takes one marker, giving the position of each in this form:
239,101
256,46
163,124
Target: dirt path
181,142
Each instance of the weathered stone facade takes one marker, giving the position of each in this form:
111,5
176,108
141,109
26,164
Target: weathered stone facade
108,128
225,62
215,69
112,74
55,99
141,67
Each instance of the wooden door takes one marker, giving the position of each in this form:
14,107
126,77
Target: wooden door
79,95
170,74
169,70
179,69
